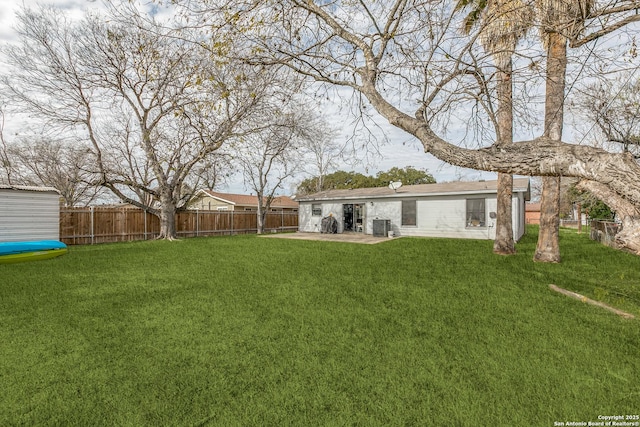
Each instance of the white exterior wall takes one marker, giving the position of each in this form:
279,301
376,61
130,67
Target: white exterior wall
518,212
383,209
29,215
441,216
310,224
437,216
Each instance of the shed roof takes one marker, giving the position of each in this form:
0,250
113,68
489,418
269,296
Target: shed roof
29,188
520,185
249,200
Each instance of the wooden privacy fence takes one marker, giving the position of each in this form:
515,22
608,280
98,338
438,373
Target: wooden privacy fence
84,226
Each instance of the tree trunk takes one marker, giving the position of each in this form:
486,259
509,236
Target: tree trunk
260,216
548,247
504,243
628,236
167,217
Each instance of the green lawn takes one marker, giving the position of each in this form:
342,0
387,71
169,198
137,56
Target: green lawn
253,331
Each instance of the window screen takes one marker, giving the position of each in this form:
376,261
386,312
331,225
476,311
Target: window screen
409,212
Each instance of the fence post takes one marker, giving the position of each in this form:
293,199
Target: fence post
92,212
124,226
197,222
579,218
144,213
231,233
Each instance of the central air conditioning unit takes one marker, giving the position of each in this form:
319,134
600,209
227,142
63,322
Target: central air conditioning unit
381,227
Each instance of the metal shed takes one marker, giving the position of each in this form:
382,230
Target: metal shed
29,213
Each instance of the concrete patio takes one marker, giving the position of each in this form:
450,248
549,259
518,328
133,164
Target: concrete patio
366,239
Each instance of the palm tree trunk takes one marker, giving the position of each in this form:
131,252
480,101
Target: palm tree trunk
548,247
504,243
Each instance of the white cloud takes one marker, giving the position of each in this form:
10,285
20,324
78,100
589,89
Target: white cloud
8,9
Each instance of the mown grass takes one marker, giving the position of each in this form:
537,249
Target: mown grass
256,331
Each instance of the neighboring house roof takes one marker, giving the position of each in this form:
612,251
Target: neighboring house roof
248,200
29,188
520,185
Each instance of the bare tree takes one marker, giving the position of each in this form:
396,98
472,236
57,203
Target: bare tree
212,172
610,109
271,157
38,160
6,165
64,166
151,106
323,152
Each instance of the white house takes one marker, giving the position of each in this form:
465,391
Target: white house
454,209
29,213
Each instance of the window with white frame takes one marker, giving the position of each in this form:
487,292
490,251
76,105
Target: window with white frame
409,212
476,215
316,209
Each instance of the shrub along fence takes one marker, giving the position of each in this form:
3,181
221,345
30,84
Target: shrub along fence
84,226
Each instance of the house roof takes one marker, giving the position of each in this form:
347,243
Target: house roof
249,200
29,188
520,185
